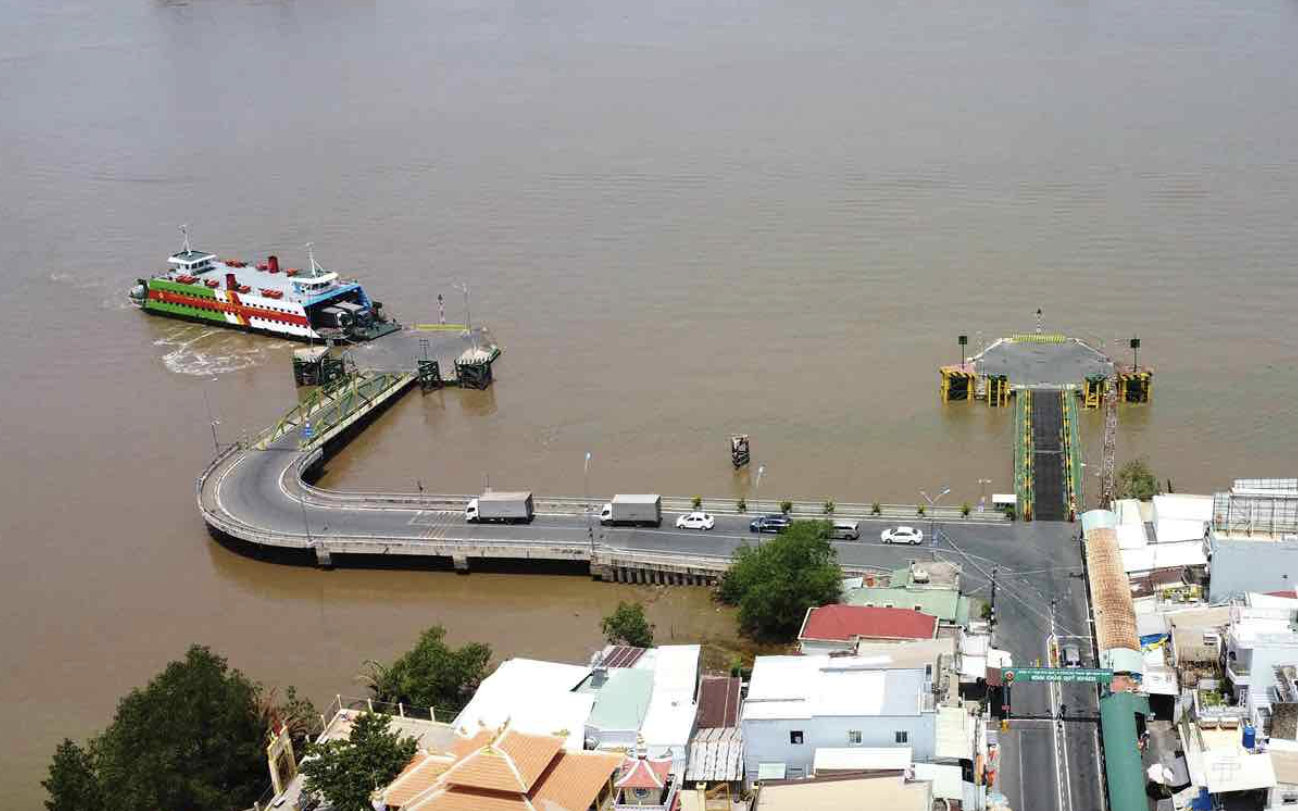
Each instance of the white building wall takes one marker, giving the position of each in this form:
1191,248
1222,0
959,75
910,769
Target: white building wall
768,741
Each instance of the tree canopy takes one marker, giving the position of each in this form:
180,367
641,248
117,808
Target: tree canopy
191,740
346,773
432,673
627,625
1136,480
775,582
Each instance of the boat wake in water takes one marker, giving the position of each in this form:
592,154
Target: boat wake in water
198,350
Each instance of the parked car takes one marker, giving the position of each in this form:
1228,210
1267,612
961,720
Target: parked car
908,535
769,523
696,520
846,531
1072,656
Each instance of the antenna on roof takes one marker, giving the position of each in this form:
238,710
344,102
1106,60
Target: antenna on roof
310,252
184,229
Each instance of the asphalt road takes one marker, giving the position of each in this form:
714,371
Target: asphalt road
1037,568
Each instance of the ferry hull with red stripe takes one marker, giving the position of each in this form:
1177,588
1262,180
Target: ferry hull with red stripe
227,308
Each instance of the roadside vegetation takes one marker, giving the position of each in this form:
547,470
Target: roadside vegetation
775,582
431,674
194,738
627,625
345,773
1136,480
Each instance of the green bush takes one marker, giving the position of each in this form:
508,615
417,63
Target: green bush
742,505
697,501
829,507
965,509
786,506
876,509
775,583
919,509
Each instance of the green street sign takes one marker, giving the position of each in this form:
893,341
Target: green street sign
1014,675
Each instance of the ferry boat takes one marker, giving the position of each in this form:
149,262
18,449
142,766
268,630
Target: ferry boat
305,304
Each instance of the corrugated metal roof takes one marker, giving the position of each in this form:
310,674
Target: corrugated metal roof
716,755
1115,613
1123,773
719,701
1257,514
955,733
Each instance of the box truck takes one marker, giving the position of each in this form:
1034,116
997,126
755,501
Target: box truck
633,510
505,508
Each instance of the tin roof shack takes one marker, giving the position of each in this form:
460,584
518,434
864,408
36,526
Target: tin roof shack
798,704
1253,540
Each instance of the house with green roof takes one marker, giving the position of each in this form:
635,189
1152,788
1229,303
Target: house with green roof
932,587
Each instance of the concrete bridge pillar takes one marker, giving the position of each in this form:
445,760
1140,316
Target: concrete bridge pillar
461,563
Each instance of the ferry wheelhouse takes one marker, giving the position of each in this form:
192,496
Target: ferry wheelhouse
306,304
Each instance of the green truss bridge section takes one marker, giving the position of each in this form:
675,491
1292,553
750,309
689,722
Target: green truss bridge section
331,410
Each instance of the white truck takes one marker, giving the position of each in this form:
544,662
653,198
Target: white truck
504,508
633,510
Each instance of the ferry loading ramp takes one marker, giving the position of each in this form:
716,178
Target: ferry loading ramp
1033,361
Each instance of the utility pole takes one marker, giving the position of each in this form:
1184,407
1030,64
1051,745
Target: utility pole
992,620
932,519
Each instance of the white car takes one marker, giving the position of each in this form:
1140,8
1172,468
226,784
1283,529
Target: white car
696,521
908,535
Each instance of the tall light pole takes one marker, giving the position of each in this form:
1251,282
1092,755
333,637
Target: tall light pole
982,493
590,527
216,446
932,519
758,485
468,315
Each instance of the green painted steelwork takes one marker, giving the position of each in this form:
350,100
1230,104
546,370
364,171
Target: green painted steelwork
1072,458
331,406
1023,452
1076,674
1123,773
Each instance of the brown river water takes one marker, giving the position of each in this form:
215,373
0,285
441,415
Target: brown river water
680,220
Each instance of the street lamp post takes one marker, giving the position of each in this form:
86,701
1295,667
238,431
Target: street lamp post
468,315
982,493
585,487
757,485
212,421
932,519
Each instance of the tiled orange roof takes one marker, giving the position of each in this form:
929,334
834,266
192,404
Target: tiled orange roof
489,769
466,744
463,799
639,772
574,780
421,774
531,753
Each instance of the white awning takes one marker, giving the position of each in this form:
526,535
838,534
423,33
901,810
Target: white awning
863,759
